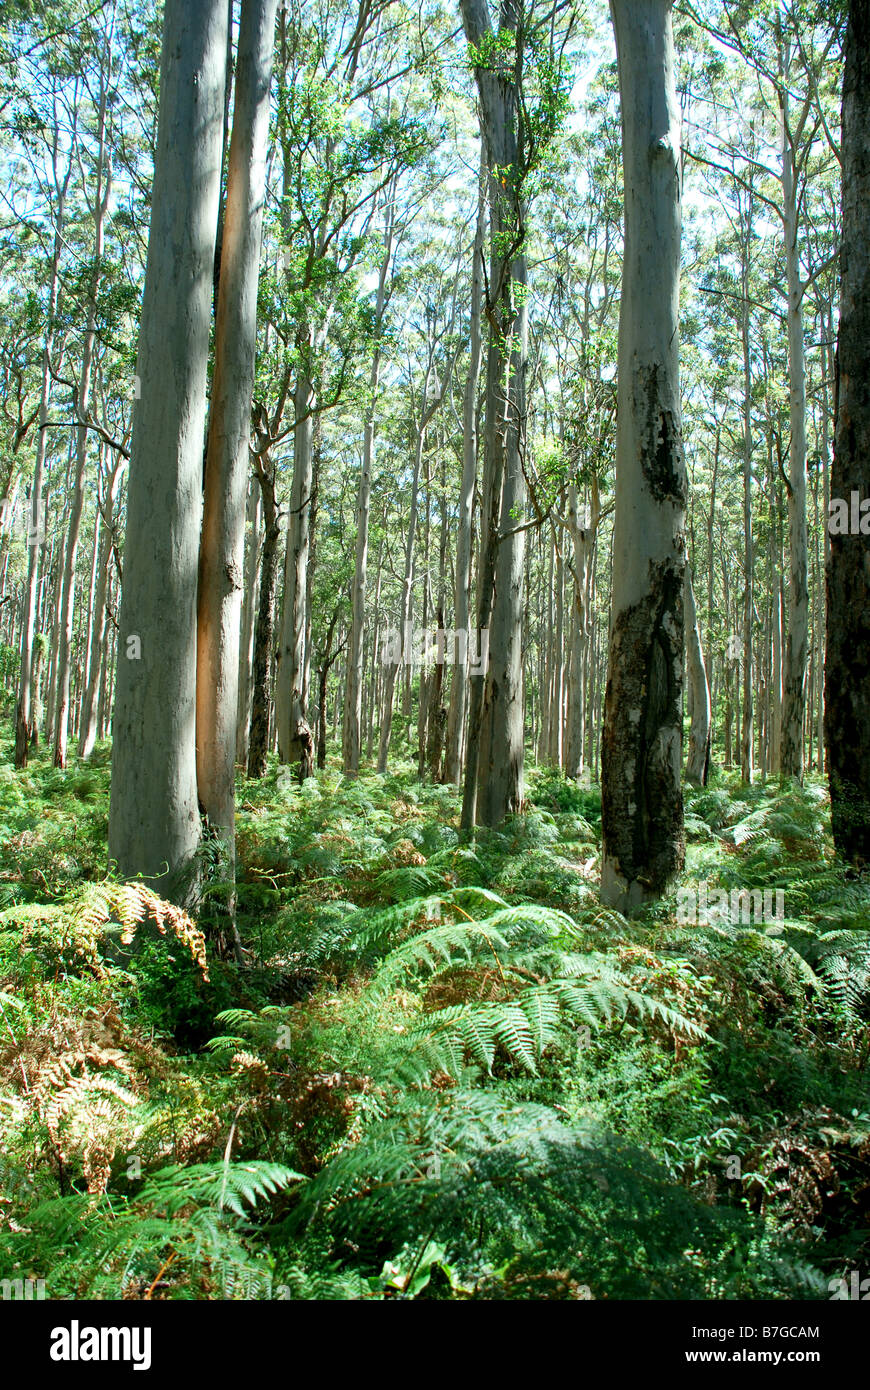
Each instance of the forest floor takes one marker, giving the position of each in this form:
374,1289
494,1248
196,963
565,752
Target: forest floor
444,1071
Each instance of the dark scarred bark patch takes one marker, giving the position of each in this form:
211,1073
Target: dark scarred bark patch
847,690
662,457
642,802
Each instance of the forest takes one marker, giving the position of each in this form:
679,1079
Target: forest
435,650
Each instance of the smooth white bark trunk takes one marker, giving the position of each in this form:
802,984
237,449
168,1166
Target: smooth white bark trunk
221,577
154,825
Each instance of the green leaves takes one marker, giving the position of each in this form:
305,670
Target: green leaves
233,1186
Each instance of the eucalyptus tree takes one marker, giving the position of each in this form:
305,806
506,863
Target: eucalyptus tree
426,396
154,823
55,187
266,475
517,55
339,151
847,674
578,343
787,51
229,431
97,198
642,803
731,283
698,758
352,720
109,487
457,716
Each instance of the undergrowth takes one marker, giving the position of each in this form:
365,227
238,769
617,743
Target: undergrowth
444,1069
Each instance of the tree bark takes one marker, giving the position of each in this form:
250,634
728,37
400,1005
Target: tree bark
353,696
795,673
246,639
25,723
698,760
494,759
291,697
99,210
642,805
221,560
264,632
154,825
847,673
88,731
458,712
582,531
747,741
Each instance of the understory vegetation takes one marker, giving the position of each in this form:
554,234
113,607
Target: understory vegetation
443,1070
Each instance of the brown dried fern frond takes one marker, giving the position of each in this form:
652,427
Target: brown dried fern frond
130,904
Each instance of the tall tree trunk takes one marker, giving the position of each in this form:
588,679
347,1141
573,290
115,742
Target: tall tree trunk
353,696
54,623
258,742
795,676
494,759
40,647
557,685
246,638
154,825
457,715
698,760
582,531
323,669
776,693
88,732
395,665
85,663
25,723
222,550
99,209
295,742
747,742
642,804
374,713
847,673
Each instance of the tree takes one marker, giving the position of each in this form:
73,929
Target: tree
154,825
795,667
98,207
25,725
107,518
229,433
432,394
698,760
458,712
847,672
353,699
494,762
642,805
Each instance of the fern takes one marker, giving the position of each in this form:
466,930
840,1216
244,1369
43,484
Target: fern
131,904
515,942
215,1185
84,918
509,1192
